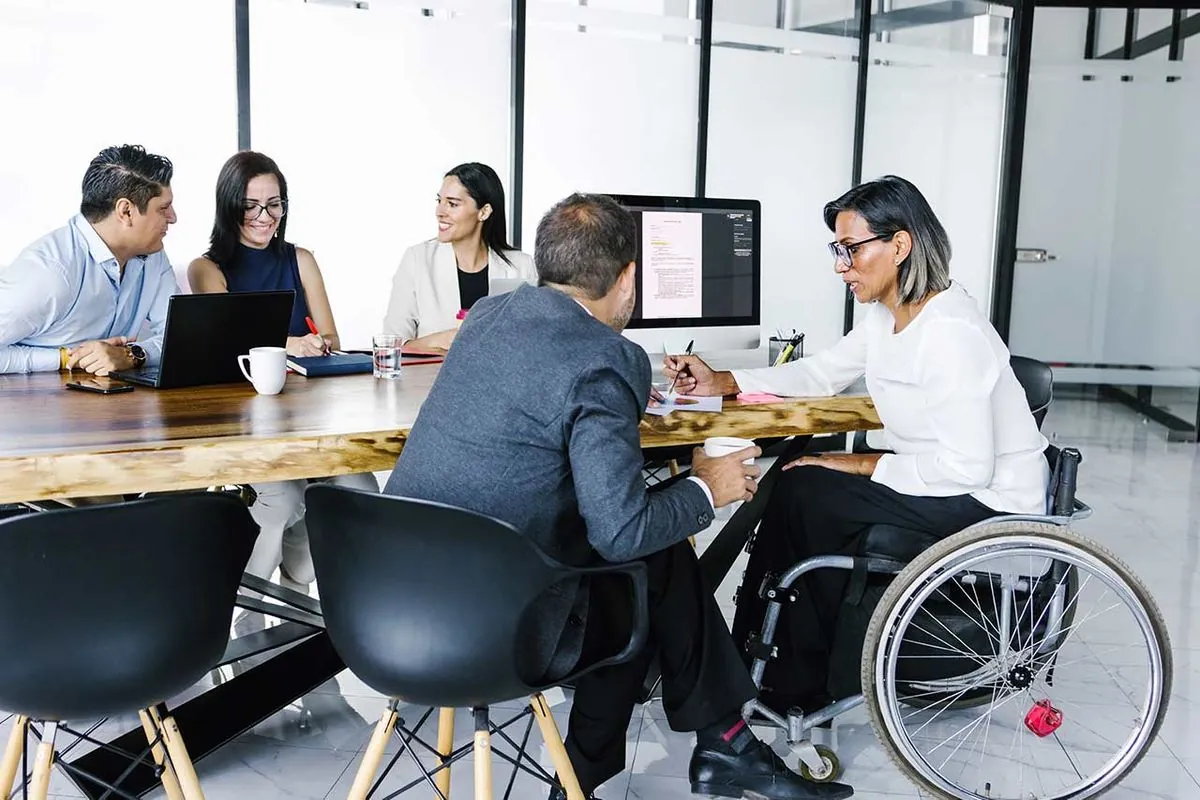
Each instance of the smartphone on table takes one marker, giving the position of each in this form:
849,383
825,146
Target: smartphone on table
99,385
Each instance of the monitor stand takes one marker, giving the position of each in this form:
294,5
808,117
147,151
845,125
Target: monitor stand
703,339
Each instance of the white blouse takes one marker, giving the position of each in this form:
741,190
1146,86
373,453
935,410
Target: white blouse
954,414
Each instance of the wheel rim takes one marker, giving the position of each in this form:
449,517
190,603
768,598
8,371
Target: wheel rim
954,750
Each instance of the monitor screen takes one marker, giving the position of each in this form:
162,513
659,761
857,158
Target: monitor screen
697,261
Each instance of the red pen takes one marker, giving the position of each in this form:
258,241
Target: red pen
312,327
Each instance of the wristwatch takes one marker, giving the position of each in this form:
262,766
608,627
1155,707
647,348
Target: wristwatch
136,354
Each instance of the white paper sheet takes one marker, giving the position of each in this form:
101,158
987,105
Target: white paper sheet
672,258
676,402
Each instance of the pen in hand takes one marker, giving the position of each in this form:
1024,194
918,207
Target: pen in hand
686,352
312,327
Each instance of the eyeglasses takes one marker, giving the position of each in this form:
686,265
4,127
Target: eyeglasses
845,252
275,209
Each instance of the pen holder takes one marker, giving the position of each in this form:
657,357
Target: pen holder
776,345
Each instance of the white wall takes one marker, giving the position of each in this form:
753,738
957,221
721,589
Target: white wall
77,76
936,118
767,142
611,109
365,111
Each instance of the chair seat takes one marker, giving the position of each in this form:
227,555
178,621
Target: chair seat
895,543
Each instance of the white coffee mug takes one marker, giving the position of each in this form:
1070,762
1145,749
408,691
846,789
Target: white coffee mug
717,446
267,368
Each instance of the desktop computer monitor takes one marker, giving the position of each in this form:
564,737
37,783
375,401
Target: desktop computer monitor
698,273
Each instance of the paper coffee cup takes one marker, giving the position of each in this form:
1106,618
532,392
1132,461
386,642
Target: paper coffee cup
717,446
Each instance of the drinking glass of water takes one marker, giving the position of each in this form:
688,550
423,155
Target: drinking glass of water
387,355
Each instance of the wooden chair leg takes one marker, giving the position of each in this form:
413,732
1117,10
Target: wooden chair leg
374,755
12,755
554,744
150,727
445,746
483,755
43,762
181,762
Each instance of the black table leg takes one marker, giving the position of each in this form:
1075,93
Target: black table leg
222,713
717,559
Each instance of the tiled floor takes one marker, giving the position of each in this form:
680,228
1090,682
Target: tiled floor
1146,495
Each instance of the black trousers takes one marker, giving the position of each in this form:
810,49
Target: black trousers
703,676
817,511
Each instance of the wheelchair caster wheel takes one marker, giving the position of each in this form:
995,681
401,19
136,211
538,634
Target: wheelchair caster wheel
829,771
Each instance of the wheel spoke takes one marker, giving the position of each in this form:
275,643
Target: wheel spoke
986,618
967,729
967,652
966,614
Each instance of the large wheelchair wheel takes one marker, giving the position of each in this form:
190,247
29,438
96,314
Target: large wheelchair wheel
928,676
1074,670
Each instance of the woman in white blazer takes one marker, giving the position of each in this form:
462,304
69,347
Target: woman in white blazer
440,277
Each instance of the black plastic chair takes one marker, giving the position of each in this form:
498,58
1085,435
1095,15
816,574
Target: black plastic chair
1038,381
437,605
109,609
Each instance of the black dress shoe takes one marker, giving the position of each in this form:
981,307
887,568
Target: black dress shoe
757,772
559,794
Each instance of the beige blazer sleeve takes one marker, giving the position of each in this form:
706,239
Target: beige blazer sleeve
425,297
402,318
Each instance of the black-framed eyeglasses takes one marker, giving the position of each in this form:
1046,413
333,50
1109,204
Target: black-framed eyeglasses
845,252
275,209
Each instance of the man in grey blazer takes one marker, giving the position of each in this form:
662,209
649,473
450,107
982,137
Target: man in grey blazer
534,419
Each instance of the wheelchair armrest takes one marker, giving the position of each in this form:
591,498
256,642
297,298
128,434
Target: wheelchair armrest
1081,510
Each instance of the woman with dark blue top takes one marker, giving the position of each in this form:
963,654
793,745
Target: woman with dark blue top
251,269
248,253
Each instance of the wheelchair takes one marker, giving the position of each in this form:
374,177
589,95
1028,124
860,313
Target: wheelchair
1014,660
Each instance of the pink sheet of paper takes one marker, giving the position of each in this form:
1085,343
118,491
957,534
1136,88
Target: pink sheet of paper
753,398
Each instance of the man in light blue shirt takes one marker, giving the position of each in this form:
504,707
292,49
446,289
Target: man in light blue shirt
79,296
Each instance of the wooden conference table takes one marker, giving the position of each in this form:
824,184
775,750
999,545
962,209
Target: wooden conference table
56,444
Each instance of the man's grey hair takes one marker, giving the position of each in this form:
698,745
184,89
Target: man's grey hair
584,242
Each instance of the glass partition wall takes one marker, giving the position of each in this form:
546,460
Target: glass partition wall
366,103
1102,280
781,131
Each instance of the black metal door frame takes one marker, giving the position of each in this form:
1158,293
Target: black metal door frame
1016,102
1012,155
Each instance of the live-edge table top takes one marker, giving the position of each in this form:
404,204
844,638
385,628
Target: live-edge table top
60,443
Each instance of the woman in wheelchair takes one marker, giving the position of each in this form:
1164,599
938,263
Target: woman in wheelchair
959,443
